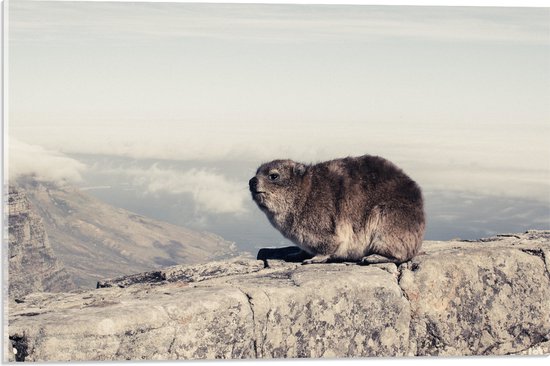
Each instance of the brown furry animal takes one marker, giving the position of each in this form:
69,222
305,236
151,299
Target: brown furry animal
353,209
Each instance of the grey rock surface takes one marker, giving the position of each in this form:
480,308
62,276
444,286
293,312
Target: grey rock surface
474,299
32,263
490,297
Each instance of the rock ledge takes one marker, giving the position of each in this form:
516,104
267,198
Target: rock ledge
489,297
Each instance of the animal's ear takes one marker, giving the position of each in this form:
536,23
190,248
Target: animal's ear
299,169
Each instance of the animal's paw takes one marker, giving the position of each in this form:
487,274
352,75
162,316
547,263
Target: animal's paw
317,259
377,258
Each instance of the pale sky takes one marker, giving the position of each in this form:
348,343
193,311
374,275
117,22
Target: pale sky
457,96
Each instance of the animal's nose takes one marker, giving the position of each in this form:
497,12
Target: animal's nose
253,184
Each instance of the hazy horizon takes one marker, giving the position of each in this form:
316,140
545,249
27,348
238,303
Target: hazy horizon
182,101
166,190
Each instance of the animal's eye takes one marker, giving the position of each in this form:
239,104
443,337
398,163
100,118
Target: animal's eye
273,176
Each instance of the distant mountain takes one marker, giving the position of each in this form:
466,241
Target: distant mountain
32,263
95,240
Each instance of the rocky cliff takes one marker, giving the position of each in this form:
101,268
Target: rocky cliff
490,297
33,265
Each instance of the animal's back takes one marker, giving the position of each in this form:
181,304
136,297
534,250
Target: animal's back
379,209
396,218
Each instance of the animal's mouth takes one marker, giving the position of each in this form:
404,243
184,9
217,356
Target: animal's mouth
259,198
255,191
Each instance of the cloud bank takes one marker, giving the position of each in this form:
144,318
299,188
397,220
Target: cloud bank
41,163
512,161
212,192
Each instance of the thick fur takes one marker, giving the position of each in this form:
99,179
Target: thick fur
344,209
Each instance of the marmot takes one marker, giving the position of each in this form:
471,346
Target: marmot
352,209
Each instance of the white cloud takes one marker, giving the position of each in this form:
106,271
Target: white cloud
212,192
43,164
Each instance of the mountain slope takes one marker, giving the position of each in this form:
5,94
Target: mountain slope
32,263
95,240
